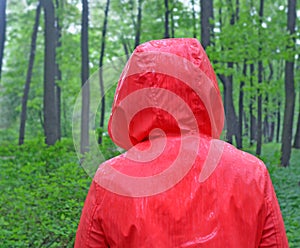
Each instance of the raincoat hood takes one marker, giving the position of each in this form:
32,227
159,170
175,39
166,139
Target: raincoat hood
168,85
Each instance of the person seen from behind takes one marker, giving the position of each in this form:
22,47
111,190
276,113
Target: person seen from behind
177,184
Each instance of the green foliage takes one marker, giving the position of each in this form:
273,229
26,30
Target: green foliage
42,194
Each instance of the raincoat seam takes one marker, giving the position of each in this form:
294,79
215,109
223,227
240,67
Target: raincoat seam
268,200
274,221
96,205
91,225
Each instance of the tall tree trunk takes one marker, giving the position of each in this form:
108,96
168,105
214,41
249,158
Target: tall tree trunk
2,31
29,75
265,128
65,128
138,23
260,79
58,72
241,105
194,19
84,141
172,20
269,123
206,25
50,112
246,124
227,81
231,118
297,135
101,65
278,120
167,11
252,117
272,131
286,147
278,100
125,47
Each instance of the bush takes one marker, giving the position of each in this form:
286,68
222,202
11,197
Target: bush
42,194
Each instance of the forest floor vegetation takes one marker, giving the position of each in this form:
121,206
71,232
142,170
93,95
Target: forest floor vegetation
42,191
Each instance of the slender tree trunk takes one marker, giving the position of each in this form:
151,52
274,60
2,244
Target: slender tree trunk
65,128
272,131
167,11
278,121
172,20
231,118
252,117
194,19
286,147
101,65
269,117
246,125
265,128
260,79
206,17
126,49
138,24
50,112
297,135
29,75
58,73
278,101
227,81
241,105
84,144
2,31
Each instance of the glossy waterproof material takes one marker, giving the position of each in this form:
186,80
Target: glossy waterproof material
178,185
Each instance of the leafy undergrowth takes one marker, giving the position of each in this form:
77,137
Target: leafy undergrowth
42,193
42,190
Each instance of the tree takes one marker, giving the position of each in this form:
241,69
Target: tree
206,21
84,142
101,70
138,24
278,117
172,19
286,146
297,135
29,75
269,122
167,11
2,31
58,71
241,103
227,81
194,19
50,110
260,79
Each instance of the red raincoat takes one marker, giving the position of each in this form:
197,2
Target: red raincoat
177,185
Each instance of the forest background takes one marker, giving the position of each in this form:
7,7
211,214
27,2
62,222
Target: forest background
50,48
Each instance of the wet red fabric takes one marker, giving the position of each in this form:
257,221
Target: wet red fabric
177,185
